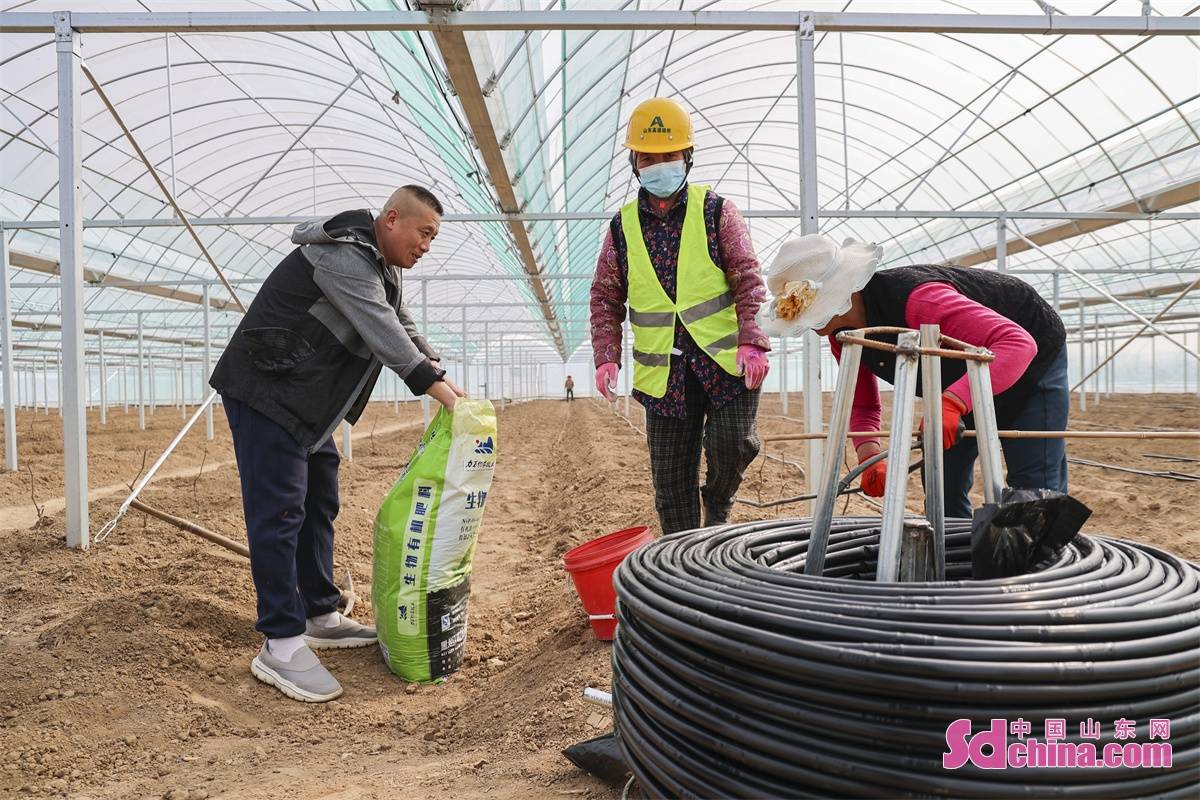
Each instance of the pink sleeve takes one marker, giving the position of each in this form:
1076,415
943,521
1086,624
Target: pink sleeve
964,319
609,291
742,272
865,413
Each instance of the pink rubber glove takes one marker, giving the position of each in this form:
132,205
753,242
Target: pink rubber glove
606,380
753,364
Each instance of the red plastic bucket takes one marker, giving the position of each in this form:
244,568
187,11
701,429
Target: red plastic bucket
591,566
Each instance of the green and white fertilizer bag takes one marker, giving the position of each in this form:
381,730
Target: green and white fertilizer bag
425,535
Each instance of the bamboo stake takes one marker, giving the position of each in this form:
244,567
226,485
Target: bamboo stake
191,527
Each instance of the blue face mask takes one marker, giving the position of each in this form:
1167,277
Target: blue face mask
663,180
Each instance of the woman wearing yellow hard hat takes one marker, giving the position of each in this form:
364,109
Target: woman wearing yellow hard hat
680,257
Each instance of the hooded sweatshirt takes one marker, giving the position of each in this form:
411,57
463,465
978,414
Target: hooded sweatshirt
327,319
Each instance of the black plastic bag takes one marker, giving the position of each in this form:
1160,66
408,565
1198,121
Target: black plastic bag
600,757
1026,527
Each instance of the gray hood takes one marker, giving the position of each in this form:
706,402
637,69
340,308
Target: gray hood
357,227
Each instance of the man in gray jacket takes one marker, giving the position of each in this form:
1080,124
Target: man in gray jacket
306,356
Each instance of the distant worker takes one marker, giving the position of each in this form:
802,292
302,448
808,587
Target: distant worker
680,255
306,356
569,385
831,289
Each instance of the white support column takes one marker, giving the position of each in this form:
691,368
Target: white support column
141,380
500,372
466,375
70,259
1112,366
1153,366
1057,295
33,390
182,398
1082,356
103,382
207,369
486,389
6,352
347,443
1184,358
1096,358
151,382
125,383
1001,244
783,375
45,388
58,389
806,97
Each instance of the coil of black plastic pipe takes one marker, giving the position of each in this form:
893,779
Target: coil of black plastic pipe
736,675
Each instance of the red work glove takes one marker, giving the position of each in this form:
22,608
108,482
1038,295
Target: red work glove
752,362
952,425
874,478
606,380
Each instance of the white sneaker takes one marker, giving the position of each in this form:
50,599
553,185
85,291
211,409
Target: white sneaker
301,678
347,633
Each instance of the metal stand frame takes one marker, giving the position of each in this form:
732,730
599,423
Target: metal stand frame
909,549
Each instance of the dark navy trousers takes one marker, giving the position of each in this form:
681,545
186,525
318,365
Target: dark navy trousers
1031,463
290,499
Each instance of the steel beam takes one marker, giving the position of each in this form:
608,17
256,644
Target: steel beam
141,382
103,381
444,22
1153,213
97,278
1113,298
1079,224
1001,245
456,55
208,412
70,240
116,334
806,102
449,278
1082,360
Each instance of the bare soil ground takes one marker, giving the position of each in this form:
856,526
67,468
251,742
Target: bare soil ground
124,669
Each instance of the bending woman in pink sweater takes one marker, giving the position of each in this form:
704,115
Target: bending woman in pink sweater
987,309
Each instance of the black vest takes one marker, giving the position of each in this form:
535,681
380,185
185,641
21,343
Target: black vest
886,296
284,363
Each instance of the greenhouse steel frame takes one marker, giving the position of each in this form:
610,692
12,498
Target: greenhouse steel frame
447,24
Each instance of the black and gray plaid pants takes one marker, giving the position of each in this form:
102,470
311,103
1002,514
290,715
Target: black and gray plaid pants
730,442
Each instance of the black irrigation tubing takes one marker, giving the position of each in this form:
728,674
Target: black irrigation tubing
1188,459
736,675
1171,474
843,487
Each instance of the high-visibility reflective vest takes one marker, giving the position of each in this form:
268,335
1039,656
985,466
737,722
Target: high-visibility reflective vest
703,300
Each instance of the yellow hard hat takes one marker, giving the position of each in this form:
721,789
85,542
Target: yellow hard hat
659,125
